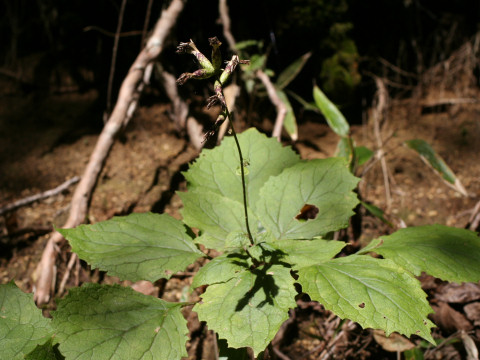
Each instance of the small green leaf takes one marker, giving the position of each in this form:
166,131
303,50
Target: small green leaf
114,322
290,122
377,212
135,247
325,184
414,354
376,293
22,325
257,62
249,309
448,253
215,215
363,154
303,253
216,169
308,106
426,151
287,75
242,45
431,158
334,117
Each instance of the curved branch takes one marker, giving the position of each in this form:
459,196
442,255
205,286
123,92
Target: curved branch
279,105
127,100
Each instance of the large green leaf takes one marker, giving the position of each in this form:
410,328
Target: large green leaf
249,309
215,215
290,122
135,247
448,253
22,325
334,117
114,322
218,170
303,253
323,183
287,75
376,293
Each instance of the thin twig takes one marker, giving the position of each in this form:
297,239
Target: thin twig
179,107
43,195
73,260
145,24
111,34
281,108
474,220
225,20
378,114
114,55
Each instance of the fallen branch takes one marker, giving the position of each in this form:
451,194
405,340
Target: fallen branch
43,195
126,104
280,106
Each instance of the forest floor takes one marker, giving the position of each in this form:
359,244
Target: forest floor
47,141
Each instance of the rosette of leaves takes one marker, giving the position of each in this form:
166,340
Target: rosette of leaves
251,287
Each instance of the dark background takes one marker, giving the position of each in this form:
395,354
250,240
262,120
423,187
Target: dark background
412,34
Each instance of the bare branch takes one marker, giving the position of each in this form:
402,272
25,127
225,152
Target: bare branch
43,195
225,20
280,106
127,100
378,116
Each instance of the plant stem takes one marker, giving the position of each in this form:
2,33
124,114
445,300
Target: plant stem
244,188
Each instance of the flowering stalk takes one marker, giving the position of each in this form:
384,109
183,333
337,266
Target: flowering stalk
212,69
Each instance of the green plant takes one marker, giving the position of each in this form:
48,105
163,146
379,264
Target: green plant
290,204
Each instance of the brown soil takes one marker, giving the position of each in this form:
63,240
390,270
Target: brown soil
45,142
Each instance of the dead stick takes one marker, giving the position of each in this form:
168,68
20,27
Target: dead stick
378,115
225,20
126,102
73,260
474,220
179,107
43,195
280,106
